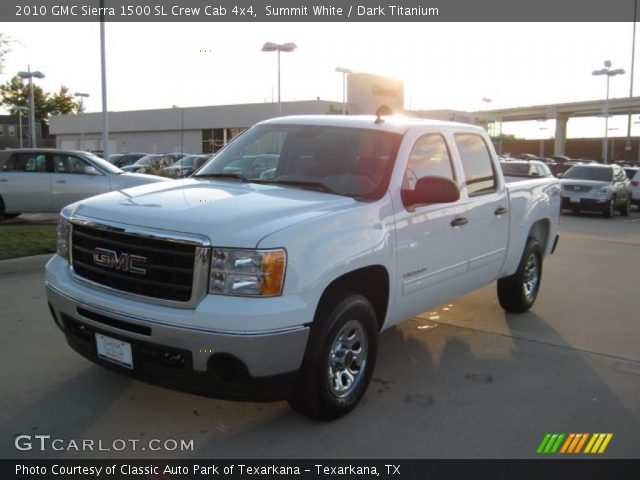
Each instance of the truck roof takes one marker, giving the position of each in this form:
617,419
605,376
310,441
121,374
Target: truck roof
392,123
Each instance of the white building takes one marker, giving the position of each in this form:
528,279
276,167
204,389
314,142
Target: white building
206,129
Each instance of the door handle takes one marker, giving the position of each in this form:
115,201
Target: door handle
500,211
60,181
458,222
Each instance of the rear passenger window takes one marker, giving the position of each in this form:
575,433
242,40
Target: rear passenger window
26,162
429,158
477,164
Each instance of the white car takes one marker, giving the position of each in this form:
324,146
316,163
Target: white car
242,284
633,173
46,180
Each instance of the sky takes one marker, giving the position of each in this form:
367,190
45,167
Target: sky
443,65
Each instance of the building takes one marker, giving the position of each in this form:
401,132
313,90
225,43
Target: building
10,130
207,129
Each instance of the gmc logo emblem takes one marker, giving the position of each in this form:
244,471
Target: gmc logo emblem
123,262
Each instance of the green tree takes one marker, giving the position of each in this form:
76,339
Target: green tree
5,47
15,93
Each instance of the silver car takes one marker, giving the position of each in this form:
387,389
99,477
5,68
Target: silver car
45,180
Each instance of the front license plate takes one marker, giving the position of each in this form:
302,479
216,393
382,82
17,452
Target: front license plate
574,200
113,350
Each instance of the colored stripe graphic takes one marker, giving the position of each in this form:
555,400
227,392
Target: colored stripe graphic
568,442
574,443
543,443
598,443
581,442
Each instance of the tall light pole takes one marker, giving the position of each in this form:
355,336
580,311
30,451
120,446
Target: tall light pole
609,73
627,146
344,72
279,47
487,101
32,111
20,110
81,96
103,69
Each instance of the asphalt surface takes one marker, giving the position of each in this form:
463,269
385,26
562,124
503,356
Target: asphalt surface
465,380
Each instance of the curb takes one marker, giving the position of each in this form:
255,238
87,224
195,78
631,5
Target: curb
22,265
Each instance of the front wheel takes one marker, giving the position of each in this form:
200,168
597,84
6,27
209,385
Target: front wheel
609,209
518,292
339,359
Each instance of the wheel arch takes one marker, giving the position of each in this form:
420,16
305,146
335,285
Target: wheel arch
372,282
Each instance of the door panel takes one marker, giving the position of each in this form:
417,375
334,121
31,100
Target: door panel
25,183
69,183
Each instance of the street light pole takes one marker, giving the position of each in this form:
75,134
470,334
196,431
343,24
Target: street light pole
20,110
32,116
82,96
486,111
344,72
279,47
609,73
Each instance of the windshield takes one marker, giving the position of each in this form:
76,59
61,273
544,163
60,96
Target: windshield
145,160
515,168
348,161
580,172
185,161
102,164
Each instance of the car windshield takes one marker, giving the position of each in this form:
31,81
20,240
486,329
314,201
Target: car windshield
102,164
510,168
185,161
346,161
582,172
145,160
630,172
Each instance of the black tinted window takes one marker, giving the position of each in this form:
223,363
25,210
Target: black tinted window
579,172
477,164
27,162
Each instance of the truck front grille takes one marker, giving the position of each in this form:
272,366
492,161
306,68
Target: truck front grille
134,264
577,188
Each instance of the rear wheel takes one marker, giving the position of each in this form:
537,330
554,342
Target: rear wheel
518,292
609,209
626,208
339,359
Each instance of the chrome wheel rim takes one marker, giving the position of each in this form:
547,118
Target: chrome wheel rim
347,359
531,277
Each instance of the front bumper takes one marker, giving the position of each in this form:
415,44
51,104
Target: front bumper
235,365
583,203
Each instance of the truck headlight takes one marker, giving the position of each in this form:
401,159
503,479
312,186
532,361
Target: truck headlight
603,191
62,247
257,273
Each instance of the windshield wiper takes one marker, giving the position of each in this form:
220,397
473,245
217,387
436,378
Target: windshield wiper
236,176
301,183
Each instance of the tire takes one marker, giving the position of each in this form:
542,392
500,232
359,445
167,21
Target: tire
330,382
626,209
518,292
609,209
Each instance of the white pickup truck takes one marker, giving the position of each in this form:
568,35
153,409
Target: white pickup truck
271,273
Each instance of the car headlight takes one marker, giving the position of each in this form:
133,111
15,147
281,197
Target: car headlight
258,273
603,191
62,247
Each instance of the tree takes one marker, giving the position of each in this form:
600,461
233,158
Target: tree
15,93
5,47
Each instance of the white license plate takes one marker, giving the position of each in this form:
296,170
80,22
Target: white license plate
113,350
574,200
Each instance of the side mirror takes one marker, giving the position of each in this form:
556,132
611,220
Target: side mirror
91,170
430,190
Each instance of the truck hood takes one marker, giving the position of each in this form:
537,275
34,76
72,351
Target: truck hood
230,214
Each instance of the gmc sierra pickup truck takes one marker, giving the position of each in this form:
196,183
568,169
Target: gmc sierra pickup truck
270,273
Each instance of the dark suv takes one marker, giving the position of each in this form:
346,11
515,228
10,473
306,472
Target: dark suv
594,187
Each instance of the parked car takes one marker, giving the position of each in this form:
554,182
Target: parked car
185,166
122,160
595,187
242,286
633,174
152,164
559,158
518,169
45,180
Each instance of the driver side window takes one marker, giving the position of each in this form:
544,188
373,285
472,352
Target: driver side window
68,164
429,158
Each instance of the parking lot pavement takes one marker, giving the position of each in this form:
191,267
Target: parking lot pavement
463,380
